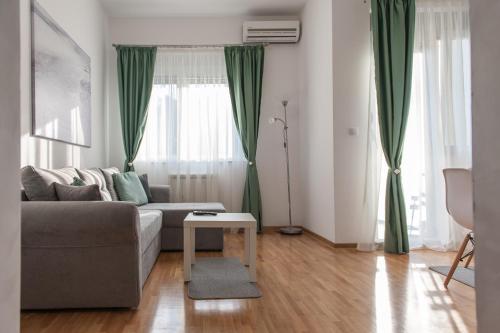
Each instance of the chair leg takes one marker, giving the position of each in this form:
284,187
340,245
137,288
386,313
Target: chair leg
457,260
467,263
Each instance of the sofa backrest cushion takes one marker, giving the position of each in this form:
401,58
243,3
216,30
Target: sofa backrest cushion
108,177
95,176
39,183
78,193
129,188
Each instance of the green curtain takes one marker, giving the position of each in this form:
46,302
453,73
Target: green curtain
135,81
245,65
393,24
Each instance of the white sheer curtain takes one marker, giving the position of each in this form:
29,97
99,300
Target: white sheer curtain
439,126
190,141
438,133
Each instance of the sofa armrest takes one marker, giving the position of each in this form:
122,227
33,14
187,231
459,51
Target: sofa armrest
160,193
79,224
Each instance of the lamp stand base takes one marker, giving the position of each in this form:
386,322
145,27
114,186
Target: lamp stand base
290,230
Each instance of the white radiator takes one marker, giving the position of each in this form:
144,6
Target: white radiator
190,188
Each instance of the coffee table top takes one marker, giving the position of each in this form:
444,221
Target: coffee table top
224,220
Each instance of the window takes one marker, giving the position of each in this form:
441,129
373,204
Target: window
190,117
190,140
189,122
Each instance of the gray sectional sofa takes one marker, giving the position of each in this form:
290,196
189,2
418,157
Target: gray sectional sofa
93,254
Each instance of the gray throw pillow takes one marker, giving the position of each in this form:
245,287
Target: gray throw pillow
38,183
78,193
110,186
145,184
129,188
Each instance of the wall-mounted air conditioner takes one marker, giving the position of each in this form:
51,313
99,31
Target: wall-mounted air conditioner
271,31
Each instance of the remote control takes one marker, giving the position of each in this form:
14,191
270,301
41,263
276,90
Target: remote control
204,212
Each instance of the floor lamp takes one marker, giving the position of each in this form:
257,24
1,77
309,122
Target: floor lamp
290,229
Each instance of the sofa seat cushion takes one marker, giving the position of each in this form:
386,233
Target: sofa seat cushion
175,213
150,221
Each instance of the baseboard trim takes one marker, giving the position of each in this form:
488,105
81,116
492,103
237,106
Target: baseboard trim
266,230
329,242
271,229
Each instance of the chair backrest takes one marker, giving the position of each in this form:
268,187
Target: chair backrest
459,200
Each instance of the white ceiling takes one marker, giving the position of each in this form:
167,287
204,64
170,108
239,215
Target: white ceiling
179,8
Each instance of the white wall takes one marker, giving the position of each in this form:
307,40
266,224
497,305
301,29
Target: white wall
351,66
325,76
9,167
316,118
85,22
280,81
334,61
486,158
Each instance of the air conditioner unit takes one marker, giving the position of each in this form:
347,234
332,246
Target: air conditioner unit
271,31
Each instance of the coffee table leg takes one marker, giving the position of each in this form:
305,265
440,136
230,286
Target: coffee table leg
193,246
187,253
253,254
246,258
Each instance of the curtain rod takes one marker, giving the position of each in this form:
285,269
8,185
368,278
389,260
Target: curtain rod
193,46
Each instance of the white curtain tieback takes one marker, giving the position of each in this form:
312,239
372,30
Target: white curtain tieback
396,171
250,163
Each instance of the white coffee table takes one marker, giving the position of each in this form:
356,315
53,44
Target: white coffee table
221,220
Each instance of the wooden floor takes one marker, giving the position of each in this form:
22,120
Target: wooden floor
307,286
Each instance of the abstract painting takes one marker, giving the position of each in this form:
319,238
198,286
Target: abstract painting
60,79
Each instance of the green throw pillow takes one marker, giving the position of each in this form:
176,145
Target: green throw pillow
145,185
78,182
129,188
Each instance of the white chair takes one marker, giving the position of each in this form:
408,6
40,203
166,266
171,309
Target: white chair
459,206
